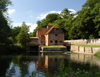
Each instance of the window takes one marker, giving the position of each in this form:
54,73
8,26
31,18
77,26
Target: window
41,41
60,41
56,42
42,36
55,29
56,35
50,41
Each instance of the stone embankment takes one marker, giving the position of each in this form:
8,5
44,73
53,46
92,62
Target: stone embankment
54,49
87,50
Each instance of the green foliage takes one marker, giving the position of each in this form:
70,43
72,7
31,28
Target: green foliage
4,29
23,36
52,17
33,34
65,13
4,4
97,54
68,72
14,32
33,74
85,24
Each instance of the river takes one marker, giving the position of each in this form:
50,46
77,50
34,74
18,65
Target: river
23,66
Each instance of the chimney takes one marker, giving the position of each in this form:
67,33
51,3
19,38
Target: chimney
49,26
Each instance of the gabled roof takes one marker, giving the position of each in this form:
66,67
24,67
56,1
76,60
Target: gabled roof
42,31
52,28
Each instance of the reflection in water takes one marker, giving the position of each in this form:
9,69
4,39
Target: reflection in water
85,58
11,71
47,63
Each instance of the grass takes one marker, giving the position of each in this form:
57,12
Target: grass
53,46
94,46
97,54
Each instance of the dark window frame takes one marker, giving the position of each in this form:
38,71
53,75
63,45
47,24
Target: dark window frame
56,35
51,41
60,41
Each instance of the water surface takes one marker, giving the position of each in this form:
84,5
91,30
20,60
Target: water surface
12,66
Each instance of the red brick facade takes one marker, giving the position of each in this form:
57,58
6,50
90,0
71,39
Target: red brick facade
52,35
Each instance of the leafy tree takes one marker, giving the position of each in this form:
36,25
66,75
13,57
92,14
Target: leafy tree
33,34
14,32
96,13
38,23
85,25
4,29
65,13
52,17
23,36
90,4
4,4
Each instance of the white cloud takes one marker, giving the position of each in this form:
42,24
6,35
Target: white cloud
11,11
72,10
43,15
31,28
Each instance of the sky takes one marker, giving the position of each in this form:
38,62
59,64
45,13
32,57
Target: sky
30,11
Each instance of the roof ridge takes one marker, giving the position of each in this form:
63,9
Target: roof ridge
49,29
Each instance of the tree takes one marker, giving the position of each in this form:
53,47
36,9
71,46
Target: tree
14,32
96,13
23,36
86,24
52,17
65,13
4,29
90,4
4,4
33,34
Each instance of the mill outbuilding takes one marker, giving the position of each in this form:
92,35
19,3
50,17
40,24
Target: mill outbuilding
52,35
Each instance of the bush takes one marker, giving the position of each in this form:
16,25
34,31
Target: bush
97,54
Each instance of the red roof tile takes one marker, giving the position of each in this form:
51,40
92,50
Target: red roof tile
49,25
51,28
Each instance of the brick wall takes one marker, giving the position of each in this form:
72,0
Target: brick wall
56,39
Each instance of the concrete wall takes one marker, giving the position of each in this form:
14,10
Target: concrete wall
83,41
87,50
53,49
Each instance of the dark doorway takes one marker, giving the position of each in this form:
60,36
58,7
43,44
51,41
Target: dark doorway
33,48
68,48
56,42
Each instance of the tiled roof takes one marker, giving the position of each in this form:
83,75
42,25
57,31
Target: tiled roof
41,31
51,28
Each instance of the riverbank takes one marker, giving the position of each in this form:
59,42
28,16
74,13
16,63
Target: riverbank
97,54
86,45
13,50
52,48
86,49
